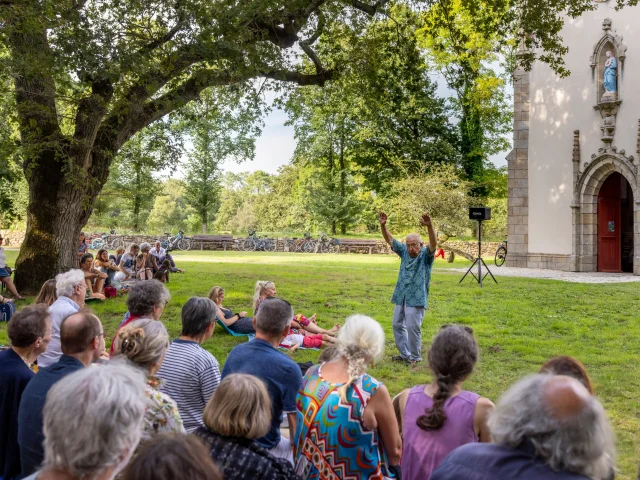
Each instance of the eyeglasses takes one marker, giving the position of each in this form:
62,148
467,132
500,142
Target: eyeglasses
413,245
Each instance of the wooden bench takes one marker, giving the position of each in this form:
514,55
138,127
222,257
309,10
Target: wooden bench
349,244
221,241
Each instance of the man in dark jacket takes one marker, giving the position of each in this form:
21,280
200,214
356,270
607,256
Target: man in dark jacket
82,341
544,428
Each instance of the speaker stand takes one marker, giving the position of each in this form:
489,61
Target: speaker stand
479,262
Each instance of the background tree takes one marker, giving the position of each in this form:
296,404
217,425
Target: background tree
170,211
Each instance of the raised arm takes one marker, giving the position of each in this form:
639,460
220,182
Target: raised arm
426,222
385,231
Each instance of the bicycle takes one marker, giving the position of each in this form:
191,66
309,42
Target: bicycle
179,241
501,254
255,243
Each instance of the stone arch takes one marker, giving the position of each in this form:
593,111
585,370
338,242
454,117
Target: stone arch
585,208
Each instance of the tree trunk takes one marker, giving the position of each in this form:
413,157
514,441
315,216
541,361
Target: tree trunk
204,228
343,182
137,200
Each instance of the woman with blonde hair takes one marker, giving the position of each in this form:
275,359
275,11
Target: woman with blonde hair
144,343
237,414
236,322
346,422
47,293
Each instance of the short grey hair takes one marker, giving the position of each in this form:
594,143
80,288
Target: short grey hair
66,282
274,315
583,443
143,296
91,417
145,246
197,314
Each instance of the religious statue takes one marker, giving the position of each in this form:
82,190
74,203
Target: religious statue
610,69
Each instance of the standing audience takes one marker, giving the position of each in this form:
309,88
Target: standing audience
236,322
237,414
144,343
70,289
47,293
82,340
191,374
173,457
92,433
545,428
30,332
260,357
346,421
441,416
5,273
145,300
94,278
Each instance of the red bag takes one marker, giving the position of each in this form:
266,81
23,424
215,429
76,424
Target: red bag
110,292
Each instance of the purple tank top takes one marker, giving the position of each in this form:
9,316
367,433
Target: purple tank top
423,451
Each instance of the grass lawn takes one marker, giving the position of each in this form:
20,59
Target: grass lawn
519,323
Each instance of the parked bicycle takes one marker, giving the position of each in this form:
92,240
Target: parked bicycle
305,244
256,243
178,241
501,254
104,240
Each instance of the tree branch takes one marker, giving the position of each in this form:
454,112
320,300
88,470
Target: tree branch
302,79
369,9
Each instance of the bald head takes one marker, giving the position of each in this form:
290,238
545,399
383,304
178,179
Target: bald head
79,331
565,397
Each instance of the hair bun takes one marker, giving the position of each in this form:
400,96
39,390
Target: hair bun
130,341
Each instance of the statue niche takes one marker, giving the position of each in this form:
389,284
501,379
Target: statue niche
608,65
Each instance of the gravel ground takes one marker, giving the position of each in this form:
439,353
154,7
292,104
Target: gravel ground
577,277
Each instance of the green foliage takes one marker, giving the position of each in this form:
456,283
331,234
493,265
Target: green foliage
170,211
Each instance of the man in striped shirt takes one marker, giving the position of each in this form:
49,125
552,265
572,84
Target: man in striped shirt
189,373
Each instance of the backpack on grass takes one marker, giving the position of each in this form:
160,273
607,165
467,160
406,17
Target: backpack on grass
6,311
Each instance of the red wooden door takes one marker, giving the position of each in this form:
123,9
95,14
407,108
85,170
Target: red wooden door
609,226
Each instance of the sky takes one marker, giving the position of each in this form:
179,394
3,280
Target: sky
276,145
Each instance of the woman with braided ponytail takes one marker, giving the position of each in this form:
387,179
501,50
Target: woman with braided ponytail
144,343
346,424
438,417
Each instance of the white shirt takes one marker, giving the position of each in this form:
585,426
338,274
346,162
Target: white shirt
3,258
59,310
158,254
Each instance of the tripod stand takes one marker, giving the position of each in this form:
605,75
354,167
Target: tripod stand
479,261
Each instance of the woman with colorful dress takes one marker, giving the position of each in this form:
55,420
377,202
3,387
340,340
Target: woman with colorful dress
346,423
144,343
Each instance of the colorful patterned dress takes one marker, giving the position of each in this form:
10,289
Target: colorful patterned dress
332,442
162,414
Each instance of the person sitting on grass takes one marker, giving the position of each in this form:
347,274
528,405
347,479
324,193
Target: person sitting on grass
161,276
570,367
5,274
236,322
93,277
161,255
145,263
294,341
127,263
47,293
190,373
237,414
106,265
300,325
118,255
440,416
82,246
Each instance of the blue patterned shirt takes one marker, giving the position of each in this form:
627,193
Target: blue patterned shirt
412,288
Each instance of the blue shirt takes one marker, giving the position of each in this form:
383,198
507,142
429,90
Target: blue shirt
281,375
30,435
487,461
14,376
412,287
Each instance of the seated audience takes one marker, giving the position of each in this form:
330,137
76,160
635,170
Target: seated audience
260,357
93,277
162,255
294,341
92,423
570,367
70,289
127,263
82,340
545,428
161,276
5,274
191,374
145,300
118,255
439,417
344,412
237,414
106,265
172,457
144,342
47,293
300,325
145,263
30,332
83,247
236,322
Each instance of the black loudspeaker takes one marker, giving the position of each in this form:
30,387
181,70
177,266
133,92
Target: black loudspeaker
479,213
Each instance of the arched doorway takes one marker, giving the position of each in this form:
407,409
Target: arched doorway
615,225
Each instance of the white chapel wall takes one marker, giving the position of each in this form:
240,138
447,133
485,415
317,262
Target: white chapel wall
560,106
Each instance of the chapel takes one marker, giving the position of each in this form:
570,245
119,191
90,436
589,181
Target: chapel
574,199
